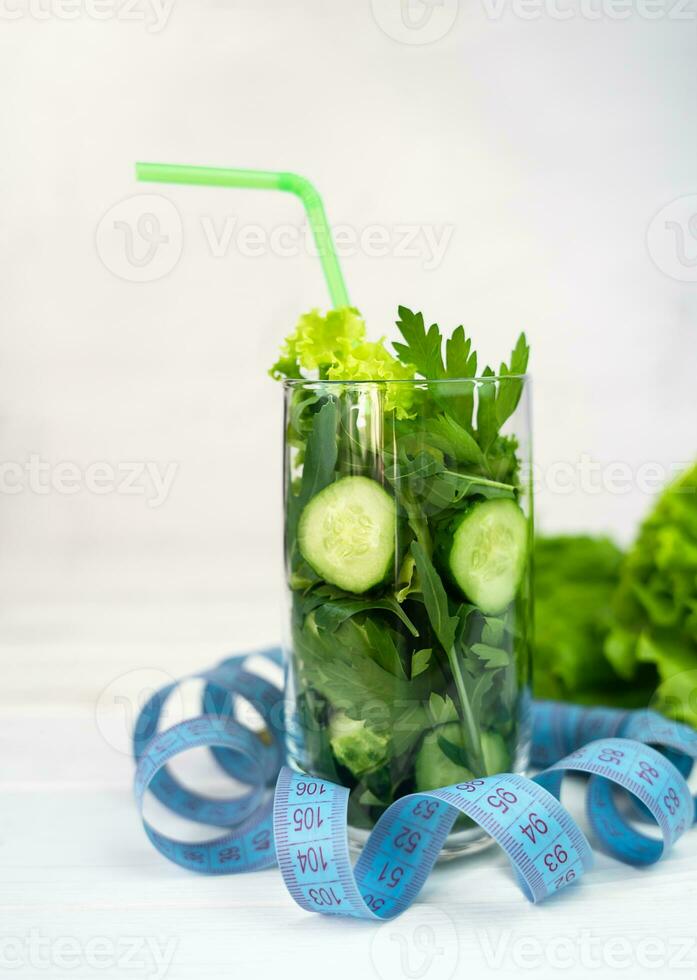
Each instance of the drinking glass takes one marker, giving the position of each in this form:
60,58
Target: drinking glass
408,532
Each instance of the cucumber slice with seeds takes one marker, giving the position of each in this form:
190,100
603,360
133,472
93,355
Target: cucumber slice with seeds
487,551
347,533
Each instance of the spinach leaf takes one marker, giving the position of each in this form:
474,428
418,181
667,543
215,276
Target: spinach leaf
434,487
331,614
451,438
453,752
318,467
384,648
436,598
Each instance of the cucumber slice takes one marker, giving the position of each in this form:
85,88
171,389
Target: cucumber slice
347,533
433,768
487,551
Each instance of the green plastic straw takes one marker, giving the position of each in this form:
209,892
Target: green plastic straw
265,180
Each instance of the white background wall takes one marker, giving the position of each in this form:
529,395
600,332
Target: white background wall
545,145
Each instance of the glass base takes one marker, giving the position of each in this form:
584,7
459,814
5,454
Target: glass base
463,843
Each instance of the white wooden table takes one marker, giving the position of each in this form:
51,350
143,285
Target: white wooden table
83,894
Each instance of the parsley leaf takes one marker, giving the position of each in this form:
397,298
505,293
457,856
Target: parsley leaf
452,439
510,389
487,421
461,360
422,349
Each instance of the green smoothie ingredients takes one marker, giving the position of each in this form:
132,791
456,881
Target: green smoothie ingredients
407,555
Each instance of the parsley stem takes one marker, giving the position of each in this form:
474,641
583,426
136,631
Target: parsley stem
418,524
481,480
470,730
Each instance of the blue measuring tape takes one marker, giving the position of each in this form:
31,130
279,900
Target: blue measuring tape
299,821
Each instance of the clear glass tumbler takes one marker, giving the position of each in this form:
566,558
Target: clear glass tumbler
408,531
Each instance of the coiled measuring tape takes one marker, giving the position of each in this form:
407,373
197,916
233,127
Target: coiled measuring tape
301,824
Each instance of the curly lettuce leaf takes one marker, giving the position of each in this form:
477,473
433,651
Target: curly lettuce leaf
655,605
319,341
623,629
369,361
333,347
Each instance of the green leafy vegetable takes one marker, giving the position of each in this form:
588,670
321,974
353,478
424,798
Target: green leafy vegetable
319,465
334,347
441,759
355,745
622,629
447,435
319,342
461,360
487,422
575,578
333,612
403,683
420,661
655,604
511,388
435,597
422,348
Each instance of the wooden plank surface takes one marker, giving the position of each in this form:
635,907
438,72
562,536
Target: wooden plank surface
83,894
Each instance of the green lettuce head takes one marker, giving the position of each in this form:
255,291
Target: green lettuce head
655,605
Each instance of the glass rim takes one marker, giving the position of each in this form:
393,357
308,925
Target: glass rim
354,383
